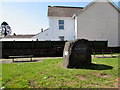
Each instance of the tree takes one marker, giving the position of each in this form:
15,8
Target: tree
5,29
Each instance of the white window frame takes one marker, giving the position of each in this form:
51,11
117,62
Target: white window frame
61,25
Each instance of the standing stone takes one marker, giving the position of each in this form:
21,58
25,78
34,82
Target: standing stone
76,54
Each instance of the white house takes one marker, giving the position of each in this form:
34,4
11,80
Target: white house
18,38
61,24
97,21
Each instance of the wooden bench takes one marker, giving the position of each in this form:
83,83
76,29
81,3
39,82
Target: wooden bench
23,56
103,52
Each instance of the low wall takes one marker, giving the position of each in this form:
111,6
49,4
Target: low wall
45,48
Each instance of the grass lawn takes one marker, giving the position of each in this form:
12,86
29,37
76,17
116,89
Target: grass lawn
50,74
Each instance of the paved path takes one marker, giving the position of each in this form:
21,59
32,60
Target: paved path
40,59
27,60
106,56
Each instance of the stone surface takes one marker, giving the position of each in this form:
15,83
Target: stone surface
76,54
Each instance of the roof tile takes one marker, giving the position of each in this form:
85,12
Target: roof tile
61,11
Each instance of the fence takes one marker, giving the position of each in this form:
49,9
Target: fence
36,48
105,50
39,48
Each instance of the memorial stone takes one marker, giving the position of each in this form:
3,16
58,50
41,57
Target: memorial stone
76,54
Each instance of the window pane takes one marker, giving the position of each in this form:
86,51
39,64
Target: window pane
61,21
61,27
61,38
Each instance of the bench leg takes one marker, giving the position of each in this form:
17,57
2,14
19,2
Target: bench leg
13,60
31,59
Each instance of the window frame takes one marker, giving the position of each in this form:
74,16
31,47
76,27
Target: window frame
61,24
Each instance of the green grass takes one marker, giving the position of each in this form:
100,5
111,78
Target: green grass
51,74
108,54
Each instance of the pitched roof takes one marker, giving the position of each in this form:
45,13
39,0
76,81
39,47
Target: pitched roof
19,36
42,32
61,11
116,7
90,4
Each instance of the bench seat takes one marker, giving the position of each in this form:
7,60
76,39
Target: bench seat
22,56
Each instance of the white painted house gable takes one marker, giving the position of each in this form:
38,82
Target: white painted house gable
61,24
99,21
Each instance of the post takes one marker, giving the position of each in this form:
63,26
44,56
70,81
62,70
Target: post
93,52
13,59
14,47
31,48
111,53
103,52
31,58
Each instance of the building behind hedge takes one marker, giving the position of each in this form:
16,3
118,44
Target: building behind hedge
98,21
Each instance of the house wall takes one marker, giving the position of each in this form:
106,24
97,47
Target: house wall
18,39
43,36
119,28
68,31
75,27
99,22
53,32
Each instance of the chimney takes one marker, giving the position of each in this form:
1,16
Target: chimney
14,34
41,29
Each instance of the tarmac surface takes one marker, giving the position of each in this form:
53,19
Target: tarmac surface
40,59
26,60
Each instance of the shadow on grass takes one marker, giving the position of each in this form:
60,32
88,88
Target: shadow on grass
96,67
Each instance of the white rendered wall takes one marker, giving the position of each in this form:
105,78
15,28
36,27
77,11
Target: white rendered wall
18,39
53,32
119,28
68,31
43,36
99,22
75,27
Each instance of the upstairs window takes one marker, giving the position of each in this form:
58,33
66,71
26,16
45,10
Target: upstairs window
61,24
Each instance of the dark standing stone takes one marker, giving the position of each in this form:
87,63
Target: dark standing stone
76,54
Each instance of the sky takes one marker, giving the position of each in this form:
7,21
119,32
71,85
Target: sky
29,17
